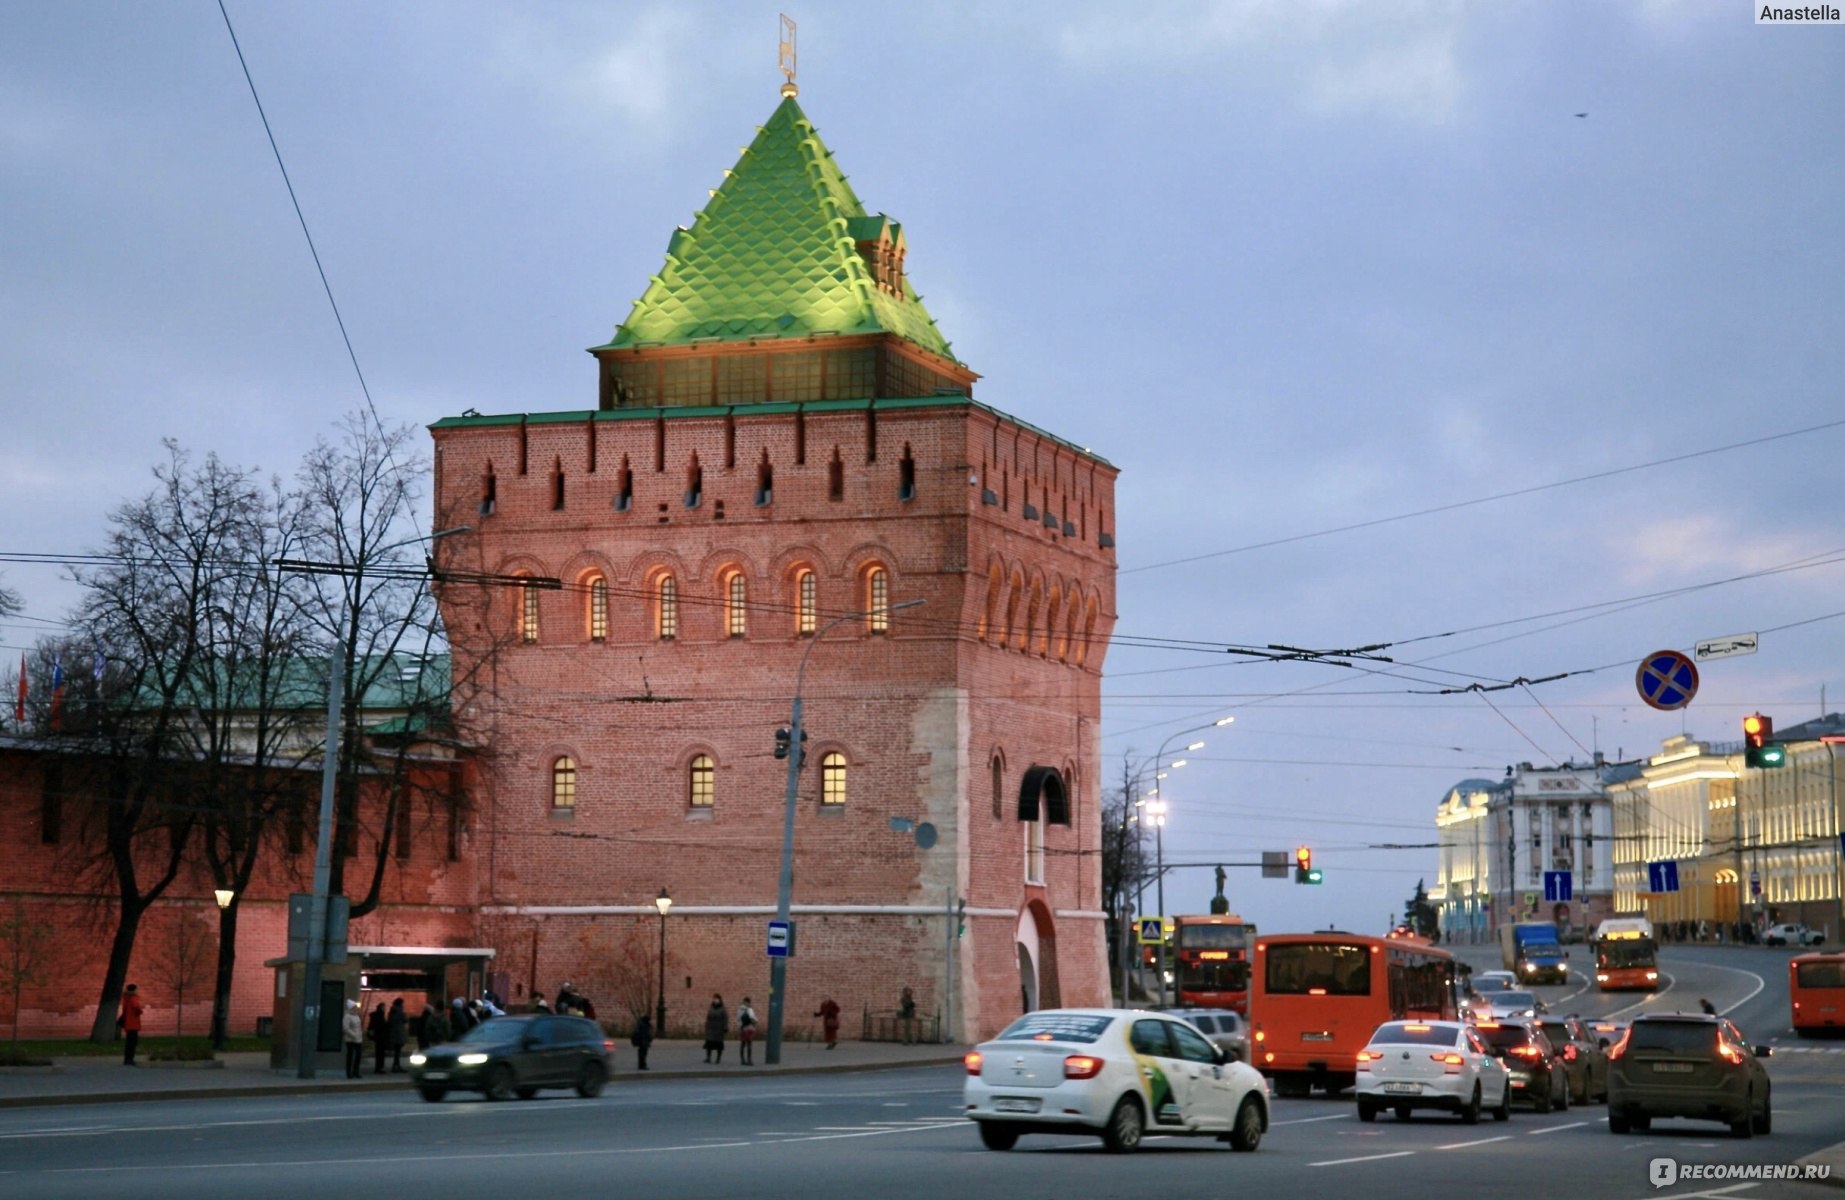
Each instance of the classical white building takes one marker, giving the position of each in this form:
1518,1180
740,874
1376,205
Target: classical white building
1499,838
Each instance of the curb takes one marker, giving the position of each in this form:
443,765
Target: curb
321,1089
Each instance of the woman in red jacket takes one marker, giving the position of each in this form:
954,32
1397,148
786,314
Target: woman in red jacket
130,1021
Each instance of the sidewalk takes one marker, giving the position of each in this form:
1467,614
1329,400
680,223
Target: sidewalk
107,1081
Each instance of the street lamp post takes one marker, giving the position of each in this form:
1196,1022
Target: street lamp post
221,1003
1157,810
661,902
784,892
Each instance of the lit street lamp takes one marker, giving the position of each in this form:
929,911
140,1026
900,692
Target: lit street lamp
784,892
221,1003
661,902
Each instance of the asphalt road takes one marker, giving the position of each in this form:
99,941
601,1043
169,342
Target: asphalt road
899,1134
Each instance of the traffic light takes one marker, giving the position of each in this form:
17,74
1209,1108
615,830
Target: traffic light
1303,866
1759,747
783,739
1313,876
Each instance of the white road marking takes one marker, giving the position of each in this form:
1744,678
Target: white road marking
1724,1191
1340,1162
1504,1137
1311,1120
505,1155
1554,1128
896,1104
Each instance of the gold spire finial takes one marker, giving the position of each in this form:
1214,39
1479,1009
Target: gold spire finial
785,57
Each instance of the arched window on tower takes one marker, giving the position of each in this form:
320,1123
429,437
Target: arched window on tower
765,481
694,484
833,780
906,475
701,783
528,612
836,477
807,609
666,608
999,786
877,600
564,783
624,487
598,609
736,605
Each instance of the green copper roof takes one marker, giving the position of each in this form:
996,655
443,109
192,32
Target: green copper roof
774,254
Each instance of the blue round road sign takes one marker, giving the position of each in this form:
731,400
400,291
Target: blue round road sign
1666,679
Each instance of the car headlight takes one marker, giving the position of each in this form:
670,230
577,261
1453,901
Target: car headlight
418,1059
472,1060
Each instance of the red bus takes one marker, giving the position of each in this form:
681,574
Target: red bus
1626,956
1816,989
1211,961
1316,998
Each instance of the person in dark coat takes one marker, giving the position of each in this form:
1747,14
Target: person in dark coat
640,1039
746,1033
717,1024
828,1012
459,1019
379,1028
398,1023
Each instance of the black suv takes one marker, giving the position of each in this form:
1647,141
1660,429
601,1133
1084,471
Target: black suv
1687,1065
515,1056
1584,1060
1538,1075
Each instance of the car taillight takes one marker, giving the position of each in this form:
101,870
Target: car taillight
972,1060
1450,1062
1260,1036
1531,1052
1081,1066
1569,1054
1730,1053
1368,1056
608,1045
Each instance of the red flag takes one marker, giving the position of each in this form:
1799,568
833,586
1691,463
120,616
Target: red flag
19,709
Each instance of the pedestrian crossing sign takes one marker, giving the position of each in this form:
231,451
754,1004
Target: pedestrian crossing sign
1152,930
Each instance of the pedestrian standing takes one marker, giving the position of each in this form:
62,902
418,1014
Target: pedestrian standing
398,1023
746,1033
379,1027
828,1012
352,1032
717,1025
640,1039
906,1016
130,1023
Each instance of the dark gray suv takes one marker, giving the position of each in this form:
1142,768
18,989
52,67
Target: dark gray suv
515,1056
1687,1065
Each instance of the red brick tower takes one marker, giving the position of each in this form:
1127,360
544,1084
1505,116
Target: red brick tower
781,438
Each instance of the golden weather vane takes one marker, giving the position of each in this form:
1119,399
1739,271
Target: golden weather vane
785,57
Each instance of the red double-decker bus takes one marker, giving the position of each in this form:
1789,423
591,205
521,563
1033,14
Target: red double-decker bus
1316,998
1211,961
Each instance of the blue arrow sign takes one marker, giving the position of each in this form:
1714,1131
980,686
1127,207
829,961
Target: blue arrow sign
1557,886
1662,876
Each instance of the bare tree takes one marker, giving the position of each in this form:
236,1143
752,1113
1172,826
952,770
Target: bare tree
25,957
171,560
1125,863
184,959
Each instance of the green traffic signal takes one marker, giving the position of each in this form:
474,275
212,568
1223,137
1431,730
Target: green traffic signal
1774,754
1314,876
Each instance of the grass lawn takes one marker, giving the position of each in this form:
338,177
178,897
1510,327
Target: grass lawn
152,1046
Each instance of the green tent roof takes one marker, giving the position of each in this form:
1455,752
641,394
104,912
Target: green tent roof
774,254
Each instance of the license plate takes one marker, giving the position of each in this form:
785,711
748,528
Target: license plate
435,1074
1018,1104
1316,1037
1403,1089
1674,1068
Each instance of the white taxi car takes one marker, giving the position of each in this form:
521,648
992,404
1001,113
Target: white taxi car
1431,1064
1117,1072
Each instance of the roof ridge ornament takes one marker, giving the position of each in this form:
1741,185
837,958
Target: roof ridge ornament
785,58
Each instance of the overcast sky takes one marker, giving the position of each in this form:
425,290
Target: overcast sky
1294,267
